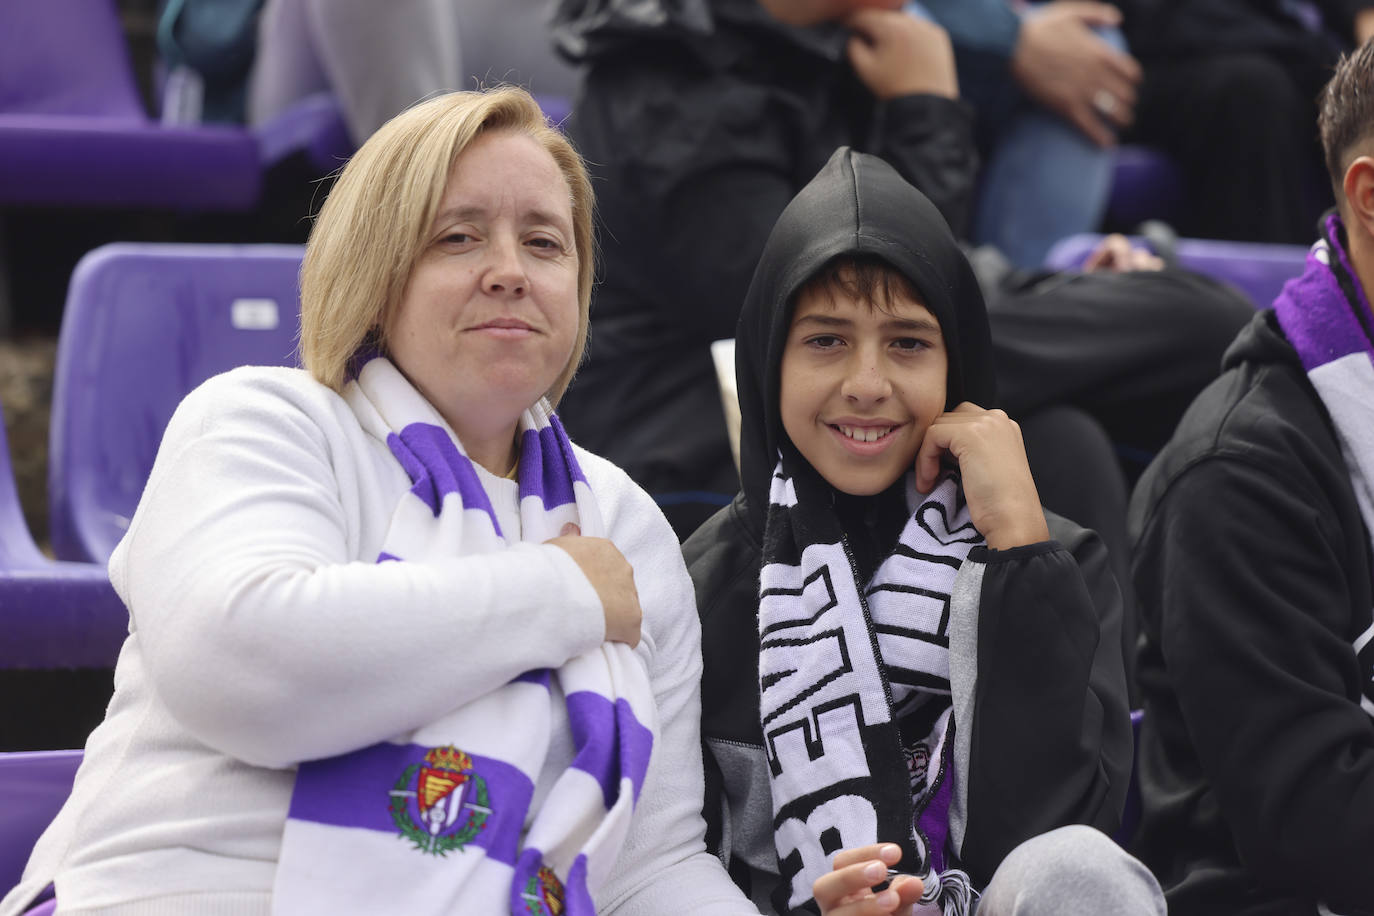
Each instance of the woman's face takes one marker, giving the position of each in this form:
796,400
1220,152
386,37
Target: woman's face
489,315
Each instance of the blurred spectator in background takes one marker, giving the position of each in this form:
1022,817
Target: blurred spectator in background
252,59
1051,85
379,58
700,121
376,58
206,52
1229,92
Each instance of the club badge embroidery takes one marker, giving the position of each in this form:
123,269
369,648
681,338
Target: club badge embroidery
543,893
440,804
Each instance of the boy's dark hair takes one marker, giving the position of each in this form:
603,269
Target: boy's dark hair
1346,114
863,277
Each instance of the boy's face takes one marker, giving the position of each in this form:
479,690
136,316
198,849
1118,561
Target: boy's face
860,386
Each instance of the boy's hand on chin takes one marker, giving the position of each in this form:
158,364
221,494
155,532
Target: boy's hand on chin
998,485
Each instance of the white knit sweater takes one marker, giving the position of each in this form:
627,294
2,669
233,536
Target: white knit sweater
263,633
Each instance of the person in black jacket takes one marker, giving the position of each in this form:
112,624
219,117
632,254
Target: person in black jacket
1229,91
1253,567
905,657
701,119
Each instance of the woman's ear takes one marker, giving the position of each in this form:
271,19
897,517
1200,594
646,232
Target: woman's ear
1359,193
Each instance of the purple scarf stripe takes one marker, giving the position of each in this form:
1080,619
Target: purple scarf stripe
385,557
548,468
361,357
934,819
436,468
1334,231
579,899
1314,312
607,756
540,676
350,791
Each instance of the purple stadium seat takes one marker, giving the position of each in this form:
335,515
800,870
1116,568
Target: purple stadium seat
144,324
1146,184
1257,269
52,614
74,132
314,125
33,787
1130,815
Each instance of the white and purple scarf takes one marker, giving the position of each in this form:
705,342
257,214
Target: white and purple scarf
855,687
1325,315
434,821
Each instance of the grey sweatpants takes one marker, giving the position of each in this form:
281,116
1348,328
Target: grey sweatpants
1071,871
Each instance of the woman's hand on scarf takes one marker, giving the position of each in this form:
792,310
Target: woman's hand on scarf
848,890
1002,500
613,578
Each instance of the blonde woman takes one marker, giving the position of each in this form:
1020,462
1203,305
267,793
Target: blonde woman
396,645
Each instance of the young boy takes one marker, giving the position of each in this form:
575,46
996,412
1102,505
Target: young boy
901,647
1254,572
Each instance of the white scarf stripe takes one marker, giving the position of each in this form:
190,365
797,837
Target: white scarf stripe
1346,387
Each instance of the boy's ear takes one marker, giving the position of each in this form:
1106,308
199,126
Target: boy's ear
1359,193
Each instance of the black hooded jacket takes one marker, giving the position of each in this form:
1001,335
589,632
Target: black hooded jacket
1253,570
1049,734
699,120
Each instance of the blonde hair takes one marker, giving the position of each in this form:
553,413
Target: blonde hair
377,219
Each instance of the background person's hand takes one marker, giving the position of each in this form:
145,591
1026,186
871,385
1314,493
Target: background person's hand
1002,500
1116,254
895,54
847,890
1066,67
814,12
613,578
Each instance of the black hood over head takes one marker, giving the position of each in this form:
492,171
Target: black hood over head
856,205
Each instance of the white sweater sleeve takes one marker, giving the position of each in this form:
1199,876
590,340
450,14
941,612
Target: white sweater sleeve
260,629
664,867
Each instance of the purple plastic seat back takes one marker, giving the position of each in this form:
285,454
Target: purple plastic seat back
144,324
1257,269
58,57
17,549
1146,184
314,126
52,614
33,787
1130,815
73,130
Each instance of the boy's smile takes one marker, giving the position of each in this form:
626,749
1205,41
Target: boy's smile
860,384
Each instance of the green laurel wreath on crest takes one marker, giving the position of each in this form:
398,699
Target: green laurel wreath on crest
534,900
438,845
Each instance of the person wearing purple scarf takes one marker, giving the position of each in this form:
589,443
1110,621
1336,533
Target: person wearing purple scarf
1256,586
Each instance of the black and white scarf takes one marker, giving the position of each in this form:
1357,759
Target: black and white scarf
855,685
